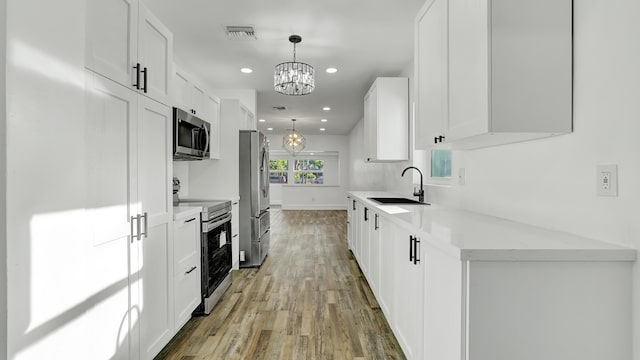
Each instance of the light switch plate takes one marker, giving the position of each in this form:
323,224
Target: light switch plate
607,180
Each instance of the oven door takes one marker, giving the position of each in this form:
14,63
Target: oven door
216,253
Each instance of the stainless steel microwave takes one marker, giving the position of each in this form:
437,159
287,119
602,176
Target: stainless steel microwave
191,136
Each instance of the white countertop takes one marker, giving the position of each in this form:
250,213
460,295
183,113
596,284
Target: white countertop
181,212
473,236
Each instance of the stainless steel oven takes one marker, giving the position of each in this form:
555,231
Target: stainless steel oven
216,258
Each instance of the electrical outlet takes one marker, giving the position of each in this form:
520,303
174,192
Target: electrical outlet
461,175
242,258
607,180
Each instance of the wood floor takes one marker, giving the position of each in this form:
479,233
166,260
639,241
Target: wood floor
309,300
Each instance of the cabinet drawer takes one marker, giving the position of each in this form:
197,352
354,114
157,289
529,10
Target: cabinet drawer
186,238
186,289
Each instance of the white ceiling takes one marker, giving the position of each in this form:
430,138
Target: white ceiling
363,39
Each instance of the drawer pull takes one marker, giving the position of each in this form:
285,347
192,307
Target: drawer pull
190,270
190,220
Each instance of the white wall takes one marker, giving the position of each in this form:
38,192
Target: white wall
318,197
3,180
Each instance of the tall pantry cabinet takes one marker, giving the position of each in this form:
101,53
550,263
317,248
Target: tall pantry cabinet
129,53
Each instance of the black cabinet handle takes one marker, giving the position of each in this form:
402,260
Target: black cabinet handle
354,204
440,138
145,72
376,227
435,140
137,84
190,270
415,250
366,214
190,220
410,247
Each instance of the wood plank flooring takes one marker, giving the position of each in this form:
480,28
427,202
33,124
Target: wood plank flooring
308,300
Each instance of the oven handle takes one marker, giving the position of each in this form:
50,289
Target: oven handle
206,227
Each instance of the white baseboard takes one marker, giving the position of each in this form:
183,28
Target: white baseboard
314,207
275,202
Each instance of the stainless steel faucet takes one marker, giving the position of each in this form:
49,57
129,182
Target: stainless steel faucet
420,193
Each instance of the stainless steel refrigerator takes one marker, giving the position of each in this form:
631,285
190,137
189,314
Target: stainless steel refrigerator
254,198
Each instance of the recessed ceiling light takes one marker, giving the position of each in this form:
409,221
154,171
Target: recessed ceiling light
310,153
322,129
246,70
326,108
324,120
262,120
332,70
270,129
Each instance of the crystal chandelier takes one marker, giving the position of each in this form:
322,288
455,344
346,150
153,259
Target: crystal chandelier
294,78
293,141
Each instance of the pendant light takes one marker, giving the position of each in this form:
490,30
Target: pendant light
294,78
293,141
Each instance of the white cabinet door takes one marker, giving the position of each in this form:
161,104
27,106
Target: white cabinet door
357,237
111,117
386,289
181,90
212,115
364,241
112,39
408,301
155,53
370,123
235,237
155,277
468,69
251,121
198,99
374,252
350,224
431,72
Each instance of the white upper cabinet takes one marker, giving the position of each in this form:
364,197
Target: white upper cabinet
188,95
247,119
386,120
129,45
212,115
496,73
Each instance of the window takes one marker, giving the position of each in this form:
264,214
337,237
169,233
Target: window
441,163
308,168
278,171
309,171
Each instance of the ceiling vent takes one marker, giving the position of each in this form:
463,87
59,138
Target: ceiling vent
280,108
241,33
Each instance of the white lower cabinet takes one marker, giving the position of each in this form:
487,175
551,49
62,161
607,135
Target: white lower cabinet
131,206
187,270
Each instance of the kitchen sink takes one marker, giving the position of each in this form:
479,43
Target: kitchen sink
395,200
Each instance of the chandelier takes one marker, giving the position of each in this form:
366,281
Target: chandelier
294,78
293,141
